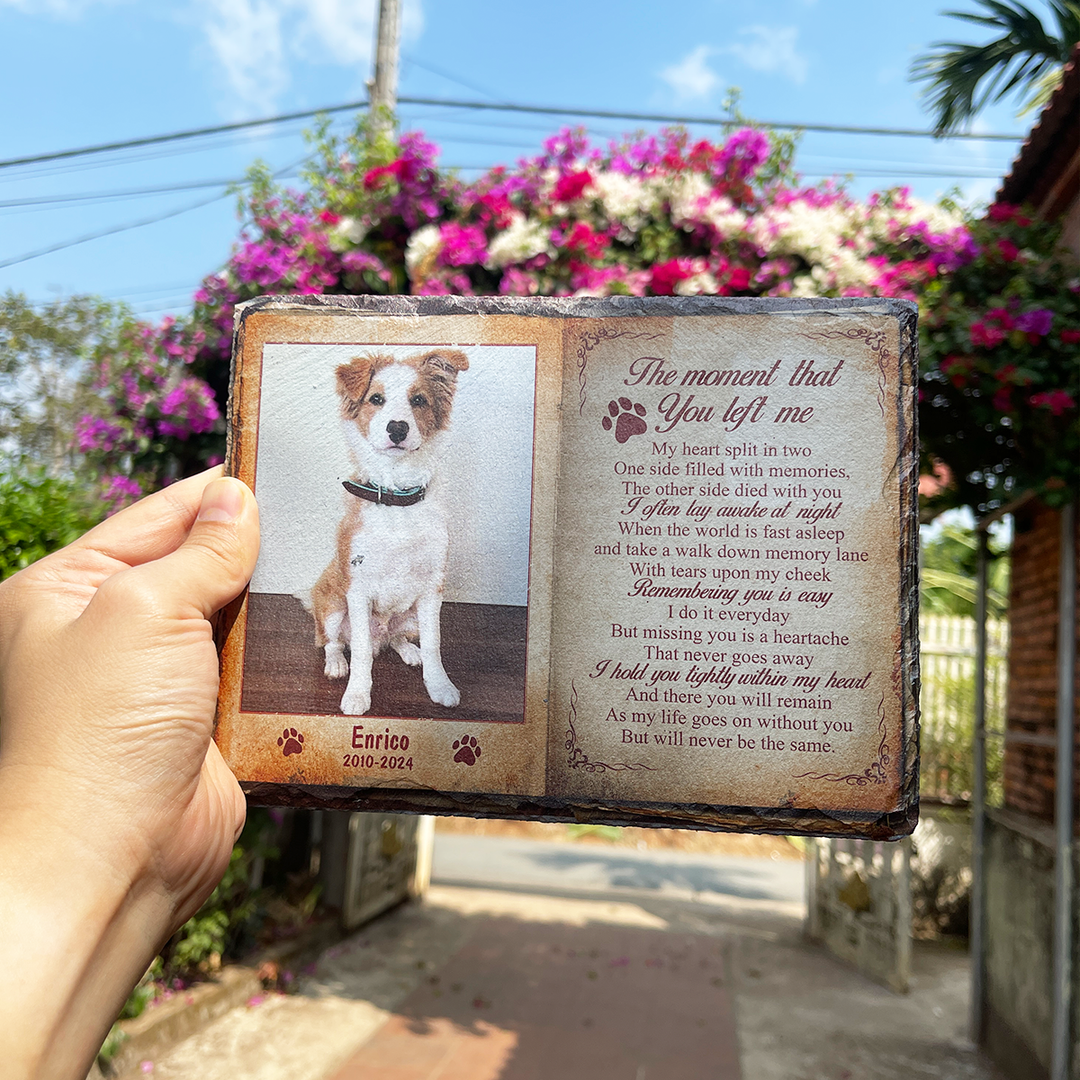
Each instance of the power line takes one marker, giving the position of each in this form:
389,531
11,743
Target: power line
122,160
476,88
176,136
661,118
108,232
285,169
543,110
126,193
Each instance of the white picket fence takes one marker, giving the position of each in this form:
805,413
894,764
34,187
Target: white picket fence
947,647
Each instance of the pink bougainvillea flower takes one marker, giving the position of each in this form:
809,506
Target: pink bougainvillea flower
665,276
956,369
374,177
1009,251
1057,401
986,336
358,261
739,279
517,282
462,245
1035,322
119,490
743,153
570,186
1002,399
93,433
188,409
583,238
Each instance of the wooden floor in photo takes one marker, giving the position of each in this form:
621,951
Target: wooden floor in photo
483,649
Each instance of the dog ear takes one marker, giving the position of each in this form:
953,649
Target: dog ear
354,378
448,361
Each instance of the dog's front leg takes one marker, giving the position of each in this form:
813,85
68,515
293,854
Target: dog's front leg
357,697
439,687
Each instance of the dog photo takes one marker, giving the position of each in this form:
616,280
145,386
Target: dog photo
394,484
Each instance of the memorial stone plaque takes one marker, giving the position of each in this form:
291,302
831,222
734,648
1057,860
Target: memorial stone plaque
638,561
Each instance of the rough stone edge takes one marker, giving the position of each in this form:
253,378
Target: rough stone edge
584,307
868,825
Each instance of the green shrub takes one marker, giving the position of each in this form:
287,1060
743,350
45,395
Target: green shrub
39,514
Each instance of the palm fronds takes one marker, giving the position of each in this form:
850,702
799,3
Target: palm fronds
961,79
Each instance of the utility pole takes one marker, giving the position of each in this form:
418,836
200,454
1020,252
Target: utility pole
382,89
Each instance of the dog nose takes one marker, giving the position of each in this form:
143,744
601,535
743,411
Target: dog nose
397,430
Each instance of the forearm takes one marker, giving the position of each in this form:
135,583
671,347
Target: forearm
76,936
117,813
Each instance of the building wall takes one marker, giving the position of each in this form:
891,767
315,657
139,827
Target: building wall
1032,701
1019,854
1019,934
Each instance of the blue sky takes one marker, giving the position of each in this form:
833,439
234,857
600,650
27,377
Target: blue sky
83,72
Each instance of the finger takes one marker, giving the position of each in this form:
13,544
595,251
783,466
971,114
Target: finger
152,527
214,562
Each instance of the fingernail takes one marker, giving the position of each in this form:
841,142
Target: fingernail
221,501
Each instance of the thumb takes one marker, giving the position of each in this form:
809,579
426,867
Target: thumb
217,557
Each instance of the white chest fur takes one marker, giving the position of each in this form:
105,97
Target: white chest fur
398,555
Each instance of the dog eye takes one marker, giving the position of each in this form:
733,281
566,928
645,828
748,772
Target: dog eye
376,399
418,401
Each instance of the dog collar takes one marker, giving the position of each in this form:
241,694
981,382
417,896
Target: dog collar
385,496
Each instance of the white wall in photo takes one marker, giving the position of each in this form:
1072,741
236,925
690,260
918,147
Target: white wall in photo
302,460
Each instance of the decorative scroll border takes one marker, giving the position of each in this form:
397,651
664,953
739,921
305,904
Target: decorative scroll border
875,773
576,758
875,342
588,341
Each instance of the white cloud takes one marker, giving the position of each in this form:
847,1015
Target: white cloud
692,77
246,38
771,49
254,41
339,30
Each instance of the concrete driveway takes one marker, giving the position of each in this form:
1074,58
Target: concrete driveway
543,961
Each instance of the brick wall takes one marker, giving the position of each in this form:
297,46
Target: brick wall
1032,701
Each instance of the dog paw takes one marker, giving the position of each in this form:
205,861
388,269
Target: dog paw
355,702
336,667
442,691
409,653
291,742
627,424
468,750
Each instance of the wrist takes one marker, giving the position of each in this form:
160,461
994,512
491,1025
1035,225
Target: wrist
78,934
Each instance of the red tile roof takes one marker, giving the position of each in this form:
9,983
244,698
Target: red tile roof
1046,172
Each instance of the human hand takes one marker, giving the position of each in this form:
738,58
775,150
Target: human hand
114,804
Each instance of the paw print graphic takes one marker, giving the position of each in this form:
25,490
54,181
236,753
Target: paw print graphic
291,742
468,749
627,417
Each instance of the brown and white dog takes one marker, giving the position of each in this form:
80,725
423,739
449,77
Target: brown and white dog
385,583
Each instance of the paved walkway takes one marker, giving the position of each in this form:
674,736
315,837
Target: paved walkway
616,965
